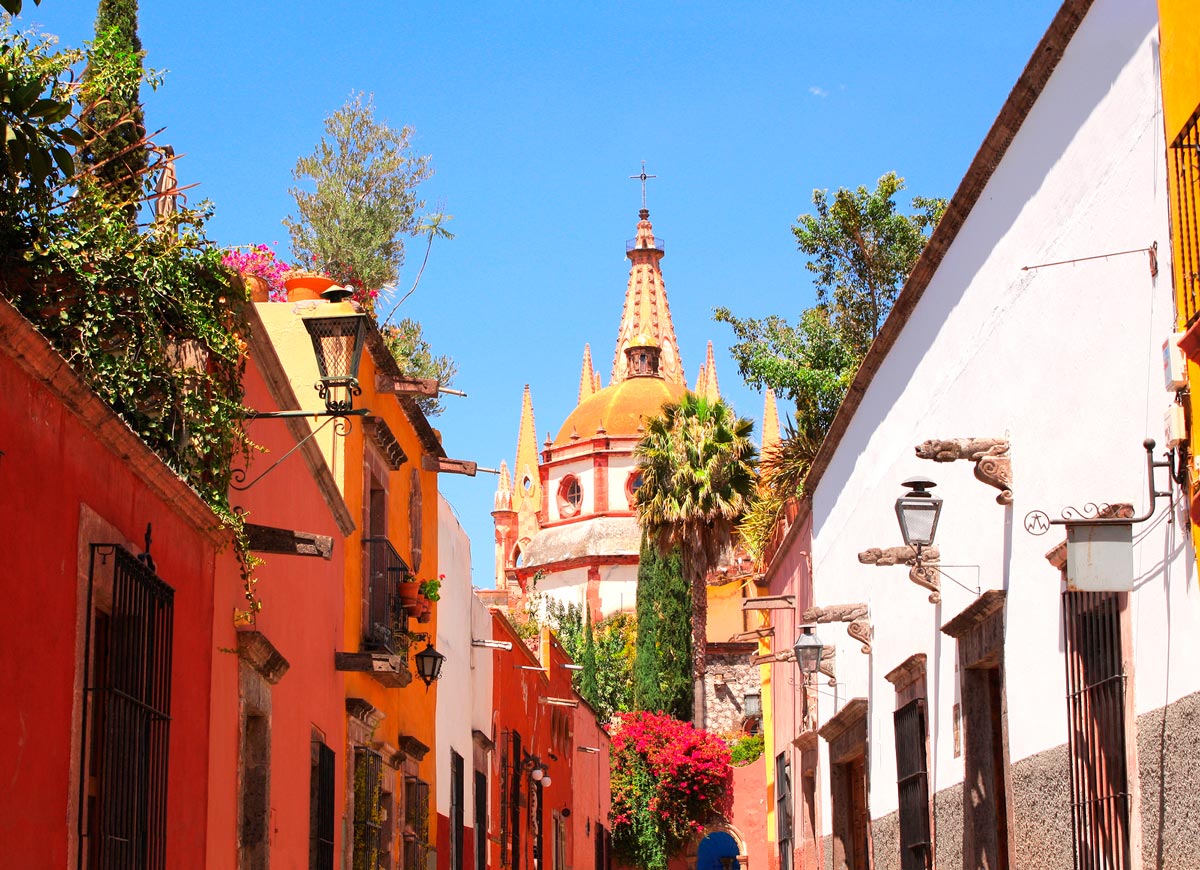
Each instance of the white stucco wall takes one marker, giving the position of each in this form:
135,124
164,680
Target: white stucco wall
1065,362
462,681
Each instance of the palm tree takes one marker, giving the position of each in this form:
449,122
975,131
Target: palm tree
698,476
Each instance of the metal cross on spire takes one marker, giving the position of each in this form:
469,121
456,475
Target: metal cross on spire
643,178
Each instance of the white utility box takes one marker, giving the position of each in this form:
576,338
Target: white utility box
1174,364
1100,557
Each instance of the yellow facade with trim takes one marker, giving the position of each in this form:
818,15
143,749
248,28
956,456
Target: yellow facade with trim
1179,59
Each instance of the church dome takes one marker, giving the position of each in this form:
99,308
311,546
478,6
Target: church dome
620,408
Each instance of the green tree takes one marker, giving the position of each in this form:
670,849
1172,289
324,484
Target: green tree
662,667
113,121
698,476
416,359
363,203
588,686
861,251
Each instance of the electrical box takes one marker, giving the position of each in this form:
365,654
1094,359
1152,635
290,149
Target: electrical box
1099,557
1174,364
1175,425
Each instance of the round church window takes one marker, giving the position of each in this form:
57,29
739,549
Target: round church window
570,496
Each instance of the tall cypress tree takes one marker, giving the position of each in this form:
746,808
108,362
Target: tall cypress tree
589,686
114,121
662,669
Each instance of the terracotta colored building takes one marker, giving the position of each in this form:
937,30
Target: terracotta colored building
278,715
106,651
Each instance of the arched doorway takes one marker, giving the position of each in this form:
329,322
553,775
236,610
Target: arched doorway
718,851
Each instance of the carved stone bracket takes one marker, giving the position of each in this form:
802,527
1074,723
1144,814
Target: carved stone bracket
828,664
859,626
993,465
923,570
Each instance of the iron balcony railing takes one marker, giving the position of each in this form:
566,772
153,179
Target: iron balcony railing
632,245
1185,161
386,622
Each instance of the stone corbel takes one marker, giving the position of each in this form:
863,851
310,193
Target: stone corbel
828,665
993,465
859,625
923,567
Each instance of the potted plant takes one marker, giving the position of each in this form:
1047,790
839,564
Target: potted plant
410,591
263,273
431,588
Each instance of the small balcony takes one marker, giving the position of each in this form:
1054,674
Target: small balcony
386,623
383,652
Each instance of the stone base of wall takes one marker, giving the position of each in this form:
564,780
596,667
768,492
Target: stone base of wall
1041,794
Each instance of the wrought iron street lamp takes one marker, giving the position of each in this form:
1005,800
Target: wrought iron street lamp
918,512
429,665
338,334
808,649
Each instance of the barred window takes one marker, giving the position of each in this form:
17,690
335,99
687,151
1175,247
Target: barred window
320,820
126,713
368,811
912,781
1096,729
1185,163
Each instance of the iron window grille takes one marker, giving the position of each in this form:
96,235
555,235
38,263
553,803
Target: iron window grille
783,809
514,802
457,796
387,622
912,781
1096,730
126,715
368,810
1185,160
481,819
321,795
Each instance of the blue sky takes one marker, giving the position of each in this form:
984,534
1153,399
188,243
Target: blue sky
535,114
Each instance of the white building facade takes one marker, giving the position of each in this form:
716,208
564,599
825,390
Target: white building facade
983,715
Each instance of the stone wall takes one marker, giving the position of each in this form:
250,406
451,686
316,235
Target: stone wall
725,704
1041,795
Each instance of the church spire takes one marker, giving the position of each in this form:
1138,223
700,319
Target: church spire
770,427
503,499
646,311
709,389
527,483
587,377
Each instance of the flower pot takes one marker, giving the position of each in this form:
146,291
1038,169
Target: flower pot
305,287
409,596
257,288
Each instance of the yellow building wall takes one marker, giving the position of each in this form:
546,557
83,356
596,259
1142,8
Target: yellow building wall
1179,62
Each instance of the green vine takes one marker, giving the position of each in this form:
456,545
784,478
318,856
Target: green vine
148,316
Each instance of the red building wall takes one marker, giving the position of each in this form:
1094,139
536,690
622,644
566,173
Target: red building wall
302,617
72,472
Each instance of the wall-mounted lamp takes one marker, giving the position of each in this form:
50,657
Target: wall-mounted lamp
918,512
808,651
338,334
429,665
718,679
492,644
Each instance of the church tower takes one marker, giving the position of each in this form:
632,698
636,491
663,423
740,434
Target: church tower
568,516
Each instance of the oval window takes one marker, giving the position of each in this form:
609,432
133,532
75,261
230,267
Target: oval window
570,496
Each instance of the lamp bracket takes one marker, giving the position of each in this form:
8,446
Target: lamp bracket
993,465
341,428
1102,514
856,615
922,562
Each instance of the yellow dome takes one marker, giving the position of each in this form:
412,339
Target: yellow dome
644,339
622,408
